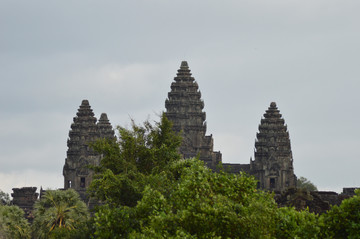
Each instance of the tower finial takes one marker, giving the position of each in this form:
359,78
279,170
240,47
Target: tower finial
85,102
184,72
104,117
184,64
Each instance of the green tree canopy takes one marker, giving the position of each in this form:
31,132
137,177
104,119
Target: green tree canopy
291,223
60,214
151,193
13,224
343,221
139,151
189,200
304,183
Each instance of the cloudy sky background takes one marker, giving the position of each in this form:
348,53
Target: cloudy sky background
122,57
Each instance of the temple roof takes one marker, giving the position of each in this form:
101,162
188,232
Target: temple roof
104,119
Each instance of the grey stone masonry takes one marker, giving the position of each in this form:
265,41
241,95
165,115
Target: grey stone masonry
184,107
273,164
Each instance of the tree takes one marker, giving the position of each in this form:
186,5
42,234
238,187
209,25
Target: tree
4,198
140,151
60,214
304,183
343,221
189,200
149,192
13,223
292,223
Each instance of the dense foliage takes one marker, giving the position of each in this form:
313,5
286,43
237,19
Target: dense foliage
13,224
188,200
291,223
126,164
151,193
343,221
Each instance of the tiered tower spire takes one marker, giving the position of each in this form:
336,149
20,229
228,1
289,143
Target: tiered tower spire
184,107
84,131
273,164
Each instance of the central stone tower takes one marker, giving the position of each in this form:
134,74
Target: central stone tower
273,164
184,107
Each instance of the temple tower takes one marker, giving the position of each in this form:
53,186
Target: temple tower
184,107
273,164
105,128
83,132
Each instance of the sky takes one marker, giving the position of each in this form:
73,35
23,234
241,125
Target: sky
123,55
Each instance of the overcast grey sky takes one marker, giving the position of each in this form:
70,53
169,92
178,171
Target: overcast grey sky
122,57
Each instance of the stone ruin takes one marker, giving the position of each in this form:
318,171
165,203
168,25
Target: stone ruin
316,201
25,198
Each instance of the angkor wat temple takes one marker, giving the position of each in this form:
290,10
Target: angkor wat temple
272,165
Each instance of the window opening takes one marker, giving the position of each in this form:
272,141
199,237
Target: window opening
82,182
272,182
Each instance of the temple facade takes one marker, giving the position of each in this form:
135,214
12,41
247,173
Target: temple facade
84,130
184,107
273,160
